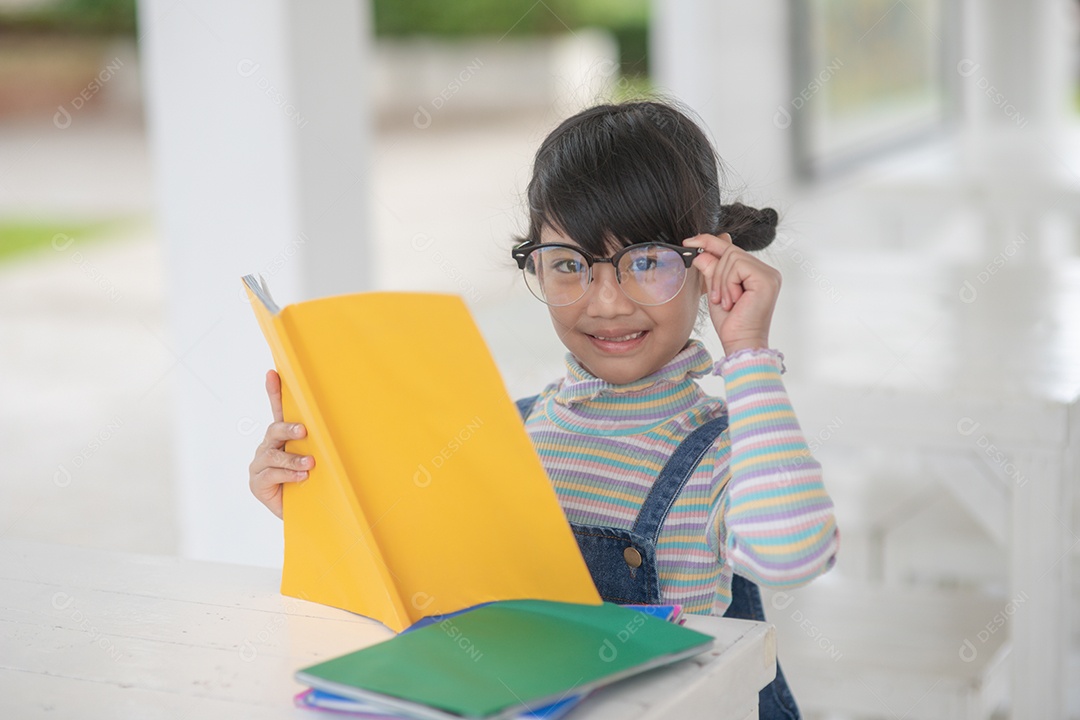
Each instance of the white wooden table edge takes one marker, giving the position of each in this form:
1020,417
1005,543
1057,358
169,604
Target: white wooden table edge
61,657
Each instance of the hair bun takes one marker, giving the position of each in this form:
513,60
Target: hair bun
750,228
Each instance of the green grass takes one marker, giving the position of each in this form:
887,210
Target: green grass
23,237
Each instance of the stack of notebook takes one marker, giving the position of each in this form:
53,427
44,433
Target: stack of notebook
508,659
428,500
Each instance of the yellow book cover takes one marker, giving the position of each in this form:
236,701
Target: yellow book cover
427,495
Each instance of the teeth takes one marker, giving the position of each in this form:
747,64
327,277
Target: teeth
623,338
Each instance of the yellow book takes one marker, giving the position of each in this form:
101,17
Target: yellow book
427,495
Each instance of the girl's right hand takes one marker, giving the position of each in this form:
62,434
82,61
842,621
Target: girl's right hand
273,466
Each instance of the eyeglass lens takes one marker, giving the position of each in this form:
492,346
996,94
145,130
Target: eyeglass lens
648,274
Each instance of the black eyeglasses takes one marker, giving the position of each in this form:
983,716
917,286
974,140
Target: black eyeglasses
648,273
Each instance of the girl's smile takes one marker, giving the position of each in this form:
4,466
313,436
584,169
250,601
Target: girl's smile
615,338
615,341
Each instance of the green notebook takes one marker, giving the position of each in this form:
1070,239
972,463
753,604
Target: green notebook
503,657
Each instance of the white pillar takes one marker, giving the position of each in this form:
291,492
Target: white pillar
729,60
259,133
1022,80
1016,84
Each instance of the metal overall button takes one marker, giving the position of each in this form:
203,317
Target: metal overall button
632,557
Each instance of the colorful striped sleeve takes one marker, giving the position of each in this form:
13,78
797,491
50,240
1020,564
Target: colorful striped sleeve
775,521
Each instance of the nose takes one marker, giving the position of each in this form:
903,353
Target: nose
606,298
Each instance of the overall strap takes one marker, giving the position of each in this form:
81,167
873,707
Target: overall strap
676,473
674,476
525,406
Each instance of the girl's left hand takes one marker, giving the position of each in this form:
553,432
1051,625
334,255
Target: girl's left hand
742,291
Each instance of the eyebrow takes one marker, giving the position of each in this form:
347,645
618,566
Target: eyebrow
563,241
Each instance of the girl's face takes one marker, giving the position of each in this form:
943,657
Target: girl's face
589,327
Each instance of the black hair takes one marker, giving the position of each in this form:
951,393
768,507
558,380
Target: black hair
638,171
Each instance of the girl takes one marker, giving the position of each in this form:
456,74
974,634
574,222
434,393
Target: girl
674,496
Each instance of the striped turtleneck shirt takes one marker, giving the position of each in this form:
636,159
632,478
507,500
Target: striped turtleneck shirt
755,506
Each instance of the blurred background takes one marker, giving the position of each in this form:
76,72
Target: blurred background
924,156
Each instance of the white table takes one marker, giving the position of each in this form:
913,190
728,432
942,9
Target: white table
89,633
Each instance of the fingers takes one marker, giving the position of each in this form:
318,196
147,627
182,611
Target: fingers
273,390
715,244
704,262
729,271
730,276
287,460
270,477
272,466
277,434
720,252
271,454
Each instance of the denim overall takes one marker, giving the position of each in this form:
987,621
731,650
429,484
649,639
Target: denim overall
623,562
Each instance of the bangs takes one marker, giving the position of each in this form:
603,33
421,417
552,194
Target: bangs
615,175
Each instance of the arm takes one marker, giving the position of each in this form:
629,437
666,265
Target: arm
775,520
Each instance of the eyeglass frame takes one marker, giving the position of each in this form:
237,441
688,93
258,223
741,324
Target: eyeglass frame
686,253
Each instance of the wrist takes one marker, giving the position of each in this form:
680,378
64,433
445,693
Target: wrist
755,355
730,348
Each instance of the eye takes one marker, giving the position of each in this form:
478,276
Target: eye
643,264
567,265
